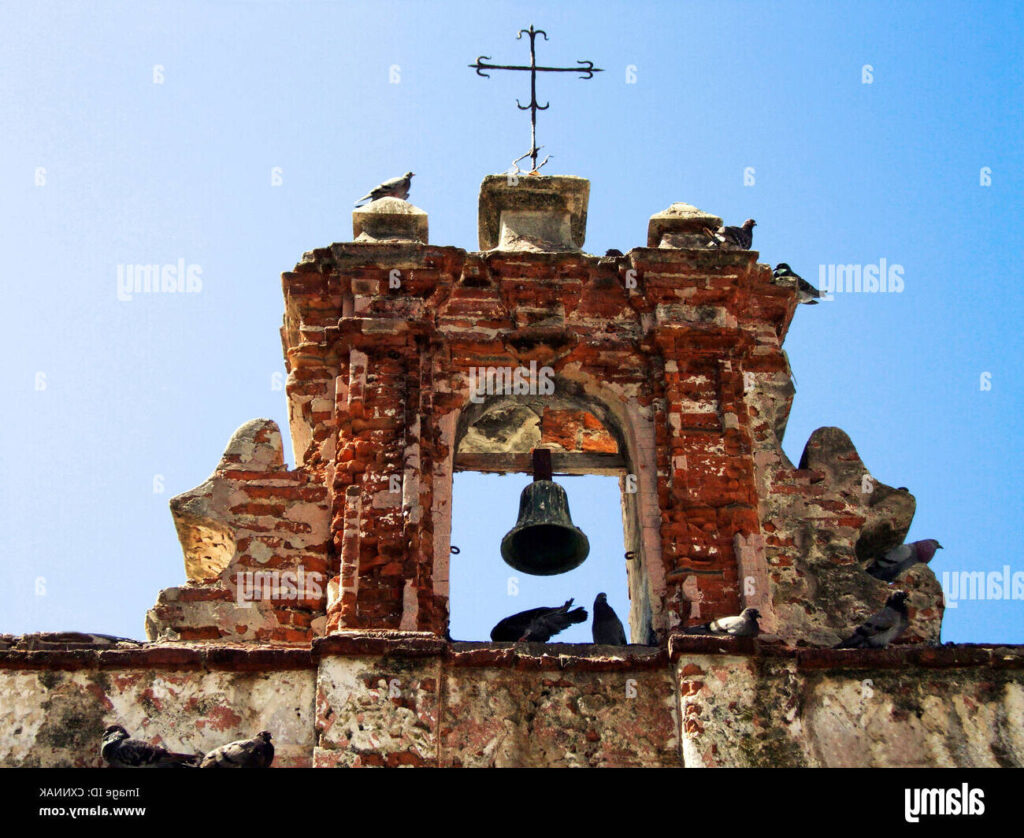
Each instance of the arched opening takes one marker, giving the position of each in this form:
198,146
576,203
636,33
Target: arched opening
492,464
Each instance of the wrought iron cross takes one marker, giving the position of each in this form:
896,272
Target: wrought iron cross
534,106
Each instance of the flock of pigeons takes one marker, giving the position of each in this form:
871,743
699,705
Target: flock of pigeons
538,625
121,751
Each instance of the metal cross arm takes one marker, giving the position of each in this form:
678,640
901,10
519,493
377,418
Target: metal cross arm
586,72
590,69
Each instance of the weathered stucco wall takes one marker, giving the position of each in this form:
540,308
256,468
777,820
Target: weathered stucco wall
55,704
394,698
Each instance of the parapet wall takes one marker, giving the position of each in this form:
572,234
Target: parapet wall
410,698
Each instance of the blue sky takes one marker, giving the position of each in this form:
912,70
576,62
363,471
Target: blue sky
111,407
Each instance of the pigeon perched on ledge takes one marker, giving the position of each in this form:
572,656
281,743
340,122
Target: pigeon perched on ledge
121,752
882,628
607,629
901,558
733,238
257,752
396,187
743,624
537,625
806,293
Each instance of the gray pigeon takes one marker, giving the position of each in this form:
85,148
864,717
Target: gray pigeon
257,752
537,625
397,187
742,625
898,559
806,293
121,752
734,238
607,628
882,628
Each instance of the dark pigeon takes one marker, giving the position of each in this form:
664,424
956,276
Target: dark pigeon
537,625
120,751
806,293
397,187
734,238
607,628
257,752
613,252
742,625
899,559
882,628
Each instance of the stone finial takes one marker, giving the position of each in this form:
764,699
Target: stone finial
680,226
389,219
533,212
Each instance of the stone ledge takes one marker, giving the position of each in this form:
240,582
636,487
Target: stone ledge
555,656
235,658
695,258
950,656
104,654
409,644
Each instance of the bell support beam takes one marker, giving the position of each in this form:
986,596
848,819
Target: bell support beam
561,463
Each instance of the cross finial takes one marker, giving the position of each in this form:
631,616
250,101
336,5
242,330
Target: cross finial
588,68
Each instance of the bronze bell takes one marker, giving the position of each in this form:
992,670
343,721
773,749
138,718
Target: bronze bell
544,541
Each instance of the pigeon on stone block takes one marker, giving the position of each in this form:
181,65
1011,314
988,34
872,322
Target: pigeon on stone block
890,565
607,628
806,293
396,187
743,624
733,238
537,625
257,752
882,628
120,751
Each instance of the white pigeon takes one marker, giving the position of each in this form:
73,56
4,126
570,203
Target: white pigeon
396,187
881,629
743,624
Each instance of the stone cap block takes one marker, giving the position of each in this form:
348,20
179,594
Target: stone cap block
681,225
533,212
389,219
